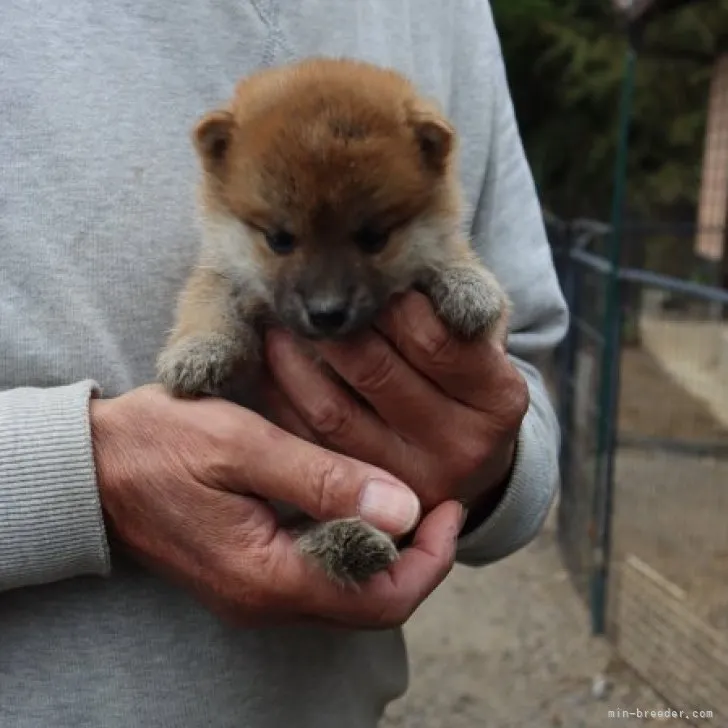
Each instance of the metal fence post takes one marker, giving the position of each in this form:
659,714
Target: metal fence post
609,374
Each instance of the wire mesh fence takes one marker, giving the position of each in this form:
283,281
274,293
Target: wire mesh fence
664,502
668,587
674,359
576,382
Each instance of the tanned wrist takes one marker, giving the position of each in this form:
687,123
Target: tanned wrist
103,418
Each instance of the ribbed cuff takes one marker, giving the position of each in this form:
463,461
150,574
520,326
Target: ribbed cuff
519,516
51,524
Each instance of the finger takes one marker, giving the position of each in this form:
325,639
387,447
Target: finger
424,565
270,577
261,582
281,412
391,597
471,372
259,457
338,420
402,397
240,564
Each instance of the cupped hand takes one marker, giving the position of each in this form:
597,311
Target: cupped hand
443,415
184,486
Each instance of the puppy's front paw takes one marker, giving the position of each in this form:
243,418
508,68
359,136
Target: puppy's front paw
469,300
197,365
349,550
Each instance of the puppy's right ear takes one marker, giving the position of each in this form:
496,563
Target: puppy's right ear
212,137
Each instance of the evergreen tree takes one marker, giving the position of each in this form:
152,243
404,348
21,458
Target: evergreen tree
565,64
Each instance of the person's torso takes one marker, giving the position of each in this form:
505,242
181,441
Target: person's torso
97,232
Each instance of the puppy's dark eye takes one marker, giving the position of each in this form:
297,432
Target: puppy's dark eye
370,239
280,241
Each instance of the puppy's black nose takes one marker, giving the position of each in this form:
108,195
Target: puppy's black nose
328,317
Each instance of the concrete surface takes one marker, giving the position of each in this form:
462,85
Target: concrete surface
692,353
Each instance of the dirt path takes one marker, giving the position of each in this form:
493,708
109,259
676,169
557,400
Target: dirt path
508,647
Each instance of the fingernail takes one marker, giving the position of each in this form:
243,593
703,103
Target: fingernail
388,506
463,516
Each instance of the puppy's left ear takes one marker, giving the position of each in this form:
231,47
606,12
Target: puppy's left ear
434,135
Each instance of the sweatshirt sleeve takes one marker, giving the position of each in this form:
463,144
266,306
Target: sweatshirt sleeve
51,525
509,232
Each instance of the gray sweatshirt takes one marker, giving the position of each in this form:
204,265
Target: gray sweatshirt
97,231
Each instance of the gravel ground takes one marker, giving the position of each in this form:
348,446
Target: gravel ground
508,646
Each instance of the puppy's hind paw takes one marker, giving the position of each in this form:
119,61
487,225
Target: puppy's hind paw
349,550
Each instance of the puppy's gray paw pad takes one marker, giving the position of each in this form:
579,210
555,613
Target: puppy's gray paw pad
349,550
197,365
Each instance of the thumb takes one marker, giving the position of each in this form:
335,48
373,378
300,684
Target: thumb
276,465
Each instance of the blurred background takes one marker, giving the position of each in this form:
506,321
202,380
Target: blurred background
618,613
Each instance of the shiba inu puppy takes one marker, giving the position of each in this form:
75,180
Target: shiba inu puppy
327,186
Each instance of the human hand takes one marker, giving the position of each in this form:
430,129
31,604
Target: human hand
181,484
445,414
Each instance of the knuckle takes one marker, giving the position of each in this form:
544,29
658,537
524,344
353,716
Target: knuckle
212,463
471,454
331,416
512,396
464,458
376,372
436,343
328,480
